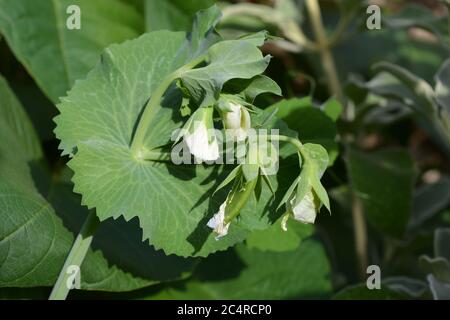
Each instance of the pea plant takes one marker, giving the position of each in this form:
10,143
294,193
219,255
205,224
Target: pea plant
232,150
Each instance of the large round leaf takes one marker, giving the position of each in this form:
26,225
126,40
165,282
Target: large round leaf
97,123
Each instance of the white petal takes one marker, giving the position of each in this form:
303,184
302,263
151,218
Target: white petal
237,122
217,222
232,118
245,119
305,211
198,143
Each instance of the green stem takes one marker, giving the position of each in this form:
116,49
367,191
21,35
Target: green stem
328,63
152,155
76,256
155,101
345,20
360,233
290,140
334,84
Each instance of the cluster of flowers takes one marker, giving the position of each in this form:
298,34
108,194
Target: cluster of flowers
198,135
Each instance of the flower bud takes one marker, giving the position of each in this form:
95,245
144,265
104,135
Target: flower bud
217,222
305,211
231,207
199,136
237,121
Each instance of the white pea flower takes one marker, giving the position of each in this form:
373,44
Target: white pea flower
200,137
305,211
217,222
237,121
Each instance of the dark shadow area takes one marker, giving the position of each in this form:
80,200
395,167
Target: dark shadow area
201,233
288,172
119,241
220,266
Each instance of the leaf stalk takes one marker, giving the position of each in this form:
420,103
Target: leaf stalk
151,108
76,256
328,63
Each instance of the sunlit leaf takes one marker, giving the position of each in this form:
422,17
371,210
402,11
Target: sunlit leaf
37,33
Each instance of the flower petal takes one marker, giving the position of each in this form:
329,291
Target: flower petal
306,210
199,145
217,222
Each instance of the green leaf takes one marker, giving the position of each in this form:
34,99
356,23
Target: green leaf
442,87
250,171
251,88
119,243
253,274
441,241
418,87
333,108
416,94
175,15
96,126
315,162
439,289
367,48
421,17
227,60
311,124
429,200
70,53
408,286
361,292
289,192
291,9
30,222
235,172
439,267
34,242
316,156
277,240
203,33
384,182
14,117
267,119
20,293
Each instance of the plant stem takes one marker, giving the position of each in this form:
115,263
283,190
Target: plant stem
334,85
76,256
328,63
360,232
290,140
153,155
155,101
